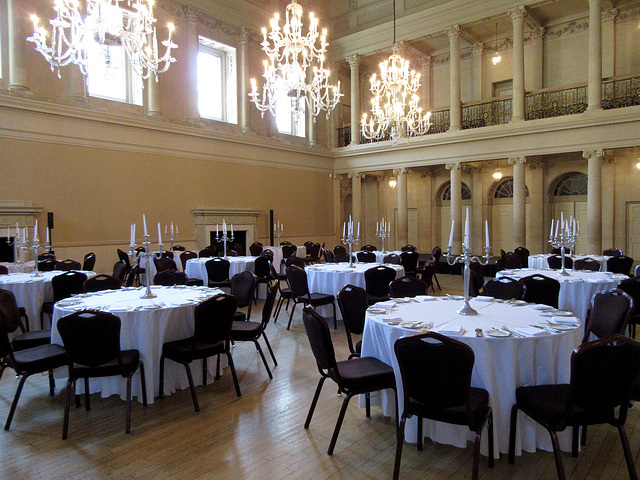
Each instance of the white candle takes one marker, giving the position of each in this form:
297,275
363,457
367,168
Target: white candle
377,228
232,229
557,229
486,229
466,230
574,227
144,224
177,231
171,228
25,234
133,235
216,229
35,231
159,234
344,229
561,218
224,226
48,237
358,229
17,231
551,232
451,234
388,228
578,226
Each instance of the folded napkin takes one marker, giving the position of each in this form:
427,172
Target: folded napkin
450,330
425,298
530,331
484,298
387,319
386,304
565,320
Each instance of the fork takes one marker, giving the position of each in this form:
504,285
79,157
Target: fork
515,334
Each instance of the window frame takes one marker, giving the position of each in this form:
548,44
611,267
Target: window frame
228,79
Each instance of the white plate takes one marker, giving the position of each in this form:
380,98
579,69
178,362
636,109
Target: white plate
516,303
378,310
403,300
396,322
563,313
151,307
497,333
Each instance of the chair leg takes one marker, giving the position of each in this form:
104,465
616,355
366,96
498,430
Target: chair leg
435,277
14,404
161,389
336,431
204,371
233,373
52,384
143,385
293,309
335,317
512,434
71,387
2,369
266,340
628,456
583,437
367,399
196,406
575,440
217,377
127,428
476,455
557,454
420,434
277,309
87,404
264,360
307,422
399,443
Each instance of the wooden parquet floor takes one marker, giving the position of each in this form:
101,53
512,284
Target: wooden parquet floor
259,436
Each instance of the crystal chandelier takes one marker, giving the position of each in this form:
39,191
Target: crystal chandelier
290,54
394,106
105,22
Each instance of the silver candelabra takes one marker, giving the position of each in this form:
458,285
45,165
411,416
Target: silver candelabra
467,258
224,239
350,239
564,239
35,247
278,230
146,255
17,248
383,232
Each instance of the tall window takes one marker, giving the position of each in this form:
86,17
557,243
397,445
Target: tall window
217,81
571,184
505,189
466,192
109,73
285,118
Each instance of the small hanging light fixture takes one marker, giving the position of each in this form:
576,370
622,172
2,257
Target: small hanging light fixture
497,174
393,182
496,57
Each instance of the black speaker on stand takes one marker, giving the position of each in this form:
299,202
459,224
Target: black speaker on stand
50,228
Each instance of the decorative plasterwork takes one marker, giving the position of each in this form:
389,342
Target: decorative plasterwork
22,213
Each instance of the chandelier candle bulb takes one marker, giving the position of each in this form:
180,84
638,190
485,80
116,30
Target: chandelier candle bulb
159,235
486,229
144,224
451,235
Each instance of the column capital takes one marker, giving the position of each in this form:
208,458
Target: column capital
599,153
354,60
425,62
453,166
537,33
191,14
400,171
244,35
454,31
519,160
610,14
356,175
517,14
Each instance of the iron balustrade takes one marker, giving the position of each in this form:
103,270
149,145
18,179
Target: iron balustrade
495,112
555,103
622,92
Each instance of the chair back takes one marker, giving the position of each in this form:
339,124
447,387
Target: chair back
319,339
435,372
504,288
237,248
344,258
102,282
66,284
541,289
297,279
609,313
314,251
353,305
428,271
47,265
4,270
119,270
124,257
135,274
89,262
178,248
164,263
209,251
267,253
477,279
620,264
437,253
408,248
508,260
68,265
255,249
523,253
91,338
307,245
267,308
218,269
631,286
555,261
288,250
243,287
186,256
603,373
366,256
612,252
369,248
9,314
47,256
587,264
409,260
168,254
377,280
261,267
556,251
392,258
339,250
170,277
329,257
293,260
407,287
214,319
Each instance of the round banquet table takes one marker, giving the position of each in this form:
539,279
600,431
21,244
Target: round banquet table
146,325
31,292
380,255
331,277
25,267
539,261
576,289
501,364
196,267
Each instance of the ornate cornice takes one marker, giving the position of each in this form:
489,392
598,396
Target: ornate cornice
599,153
354,61
453,166
514,160
518,14
567,29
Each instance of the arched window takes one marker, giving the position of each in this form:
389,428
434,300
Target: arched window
571,184
505,189
466,192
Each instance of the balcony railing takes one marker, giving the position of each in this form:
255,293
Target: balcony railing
547,103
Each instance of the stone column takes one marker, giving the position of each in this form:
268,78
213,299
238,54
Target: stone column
537,237
609,17
244,79
609,214
403,206
356,199
424,205
517,17
425,78
354,64
16,43
191,47
537,62
455,112
594,80
478,71
594,200
77,85
152,92
456,205
519,202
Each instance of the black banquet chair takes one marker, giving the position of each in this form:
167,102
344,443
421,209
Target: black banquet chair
68,265
356,376
92,342
297,279
409,260
213,322
353,304
504,288
12,317
608,315
541,289
366,256
555,262
407,287
170,277
587,263
243,287
603,373
377,281
89,262
218,272
63,285
436,383
102,282
620,264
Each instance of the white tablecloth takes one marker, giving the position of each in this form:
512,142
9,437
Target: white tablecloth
31,292
163,319
576,290
501,365
540,260
331,277
196,267
25,267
